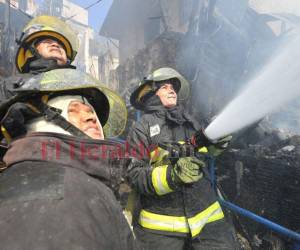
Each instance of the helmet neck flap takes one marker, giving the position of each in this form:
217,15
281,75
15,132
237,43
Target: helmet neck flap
56,119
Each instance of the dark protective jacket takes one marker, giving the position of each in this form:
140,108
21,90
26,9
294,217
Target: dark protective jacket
167,208
55,194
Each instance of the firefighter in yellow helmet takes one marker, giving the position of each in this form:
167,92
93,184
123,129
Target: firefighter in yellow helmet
178,206
46,42
57,189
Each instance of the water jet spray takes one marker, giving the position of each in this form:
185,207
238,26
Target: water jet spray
277,84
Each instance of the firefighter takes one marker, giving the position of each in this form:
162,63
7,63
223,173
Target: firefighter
57,189
177,206
45,43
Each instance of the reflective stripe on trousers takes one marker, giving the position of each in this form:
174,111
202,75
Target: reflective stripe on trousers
181,224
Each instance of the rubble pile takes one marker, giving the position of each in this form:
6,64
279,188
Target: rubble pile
264,180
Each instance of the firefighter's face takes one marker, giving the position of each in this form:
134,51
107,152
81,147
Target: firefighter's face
51,49
84,118
167,95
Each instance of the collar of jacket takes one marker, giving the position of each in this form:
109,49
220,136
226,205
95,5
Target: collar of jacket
175,114
41,65
99,158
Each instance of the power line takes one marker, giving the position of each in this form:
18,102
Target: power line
86,8
91,5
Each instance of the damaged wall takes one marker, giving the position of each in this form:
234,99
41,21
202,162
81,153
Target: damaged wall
160,52
136,23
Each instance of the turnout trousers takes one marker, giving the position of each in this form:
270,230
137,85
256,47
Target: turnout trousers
214,236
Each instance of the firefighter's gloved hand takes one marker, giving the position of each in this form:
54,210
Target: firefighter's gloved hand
187,170
219,146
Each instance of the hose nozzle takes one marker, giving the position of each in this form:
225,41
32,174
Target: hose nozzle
200,139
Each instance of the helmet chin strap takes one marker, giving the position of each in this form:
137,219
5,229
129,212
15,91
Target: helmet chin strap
14,122
54,116
53,64
19,40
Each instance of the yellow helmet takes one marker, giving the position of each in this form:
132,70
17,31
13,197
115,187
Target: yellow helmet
109,106
45,26
149,84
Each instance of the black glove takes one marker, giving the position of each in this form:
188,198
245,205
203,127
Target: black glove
16,117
